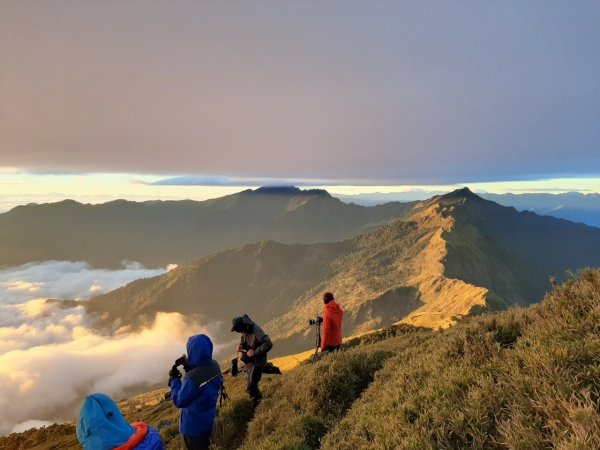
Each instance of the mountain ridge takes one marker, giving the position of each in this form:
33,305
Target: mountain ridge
576,207
448,258
160,233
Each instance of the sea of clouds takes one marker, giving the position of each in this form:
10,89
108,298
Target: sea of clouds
51,357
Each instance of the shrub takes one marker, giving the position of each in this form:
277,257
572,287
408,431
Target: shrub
231,423
301,406
169,433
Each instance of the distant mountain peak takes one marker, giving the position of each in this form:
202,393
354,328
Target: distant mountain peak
287,190
462,194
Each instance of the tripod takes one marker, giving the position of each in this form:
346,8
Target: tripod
317,325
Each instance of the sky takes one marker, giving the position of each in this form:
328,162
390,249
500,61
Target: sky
146,99
352,93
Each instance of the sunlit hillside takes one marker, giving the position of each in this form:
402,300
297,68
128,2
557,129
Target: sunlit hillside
453,255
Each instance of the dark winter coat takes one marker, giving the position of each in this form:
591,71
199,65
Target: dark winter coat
198,394
254,338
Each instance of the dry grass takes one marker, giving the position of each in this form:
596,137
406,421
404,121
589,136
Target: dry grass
522,379
443,297
527,378
316,397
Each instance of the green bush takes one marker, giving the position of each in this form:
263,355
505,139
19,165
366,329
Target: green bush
301,406
313,429
232,422
169,434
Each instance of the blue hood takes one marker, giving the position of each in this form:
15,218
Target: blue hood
199,351
101,426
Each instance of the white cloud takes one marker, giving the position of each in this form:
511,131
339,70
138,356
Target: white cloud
84,364
66,280
51,357
21,286
38,322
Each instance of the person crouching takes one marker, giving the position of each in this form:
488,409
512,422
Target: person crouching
252,350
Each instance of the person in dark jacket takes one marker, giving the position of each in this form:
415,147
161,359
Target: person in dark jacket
332,324
101,426
198,394
253,349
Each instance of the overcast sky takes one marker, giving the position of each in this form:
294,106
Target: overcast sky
412,92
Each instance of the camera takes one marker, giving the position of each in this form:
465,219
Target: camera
181,361
244,356
174,372
317,321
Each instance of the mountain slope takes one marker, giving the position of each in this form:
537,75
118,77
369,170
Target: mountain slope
455,254
512,253
572,206
162,232
524,378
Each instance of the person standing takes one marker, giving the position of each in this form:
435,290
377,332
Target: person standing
332,324
252,350
197,396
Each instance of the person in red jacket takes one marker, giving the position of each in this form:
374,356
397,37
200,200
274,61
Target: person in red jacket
332,324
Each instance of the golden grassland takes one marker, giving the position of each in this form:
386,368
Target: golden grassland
407,255
528,378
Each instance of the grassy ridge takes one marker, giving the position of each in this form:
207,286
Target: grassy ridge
527,378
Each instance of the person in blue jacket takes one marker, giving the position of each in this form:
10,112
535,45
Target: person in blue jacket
101,426
198,394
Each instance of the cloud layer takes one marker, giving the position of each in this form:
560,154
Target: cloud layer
65,280
240,182
87,363
44,344
408,91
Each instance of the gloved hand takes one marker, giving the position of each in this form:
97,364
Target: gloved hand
174,373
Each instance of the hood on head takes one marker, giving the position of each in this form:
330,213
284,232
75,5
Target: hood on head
199,351
241,324
101,426
333,306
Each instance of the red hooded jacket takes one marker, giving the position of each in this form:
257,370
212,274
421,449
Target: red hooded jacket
332,325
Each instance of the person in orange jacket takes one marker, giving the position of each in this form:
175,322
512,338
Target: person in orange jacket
331,338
